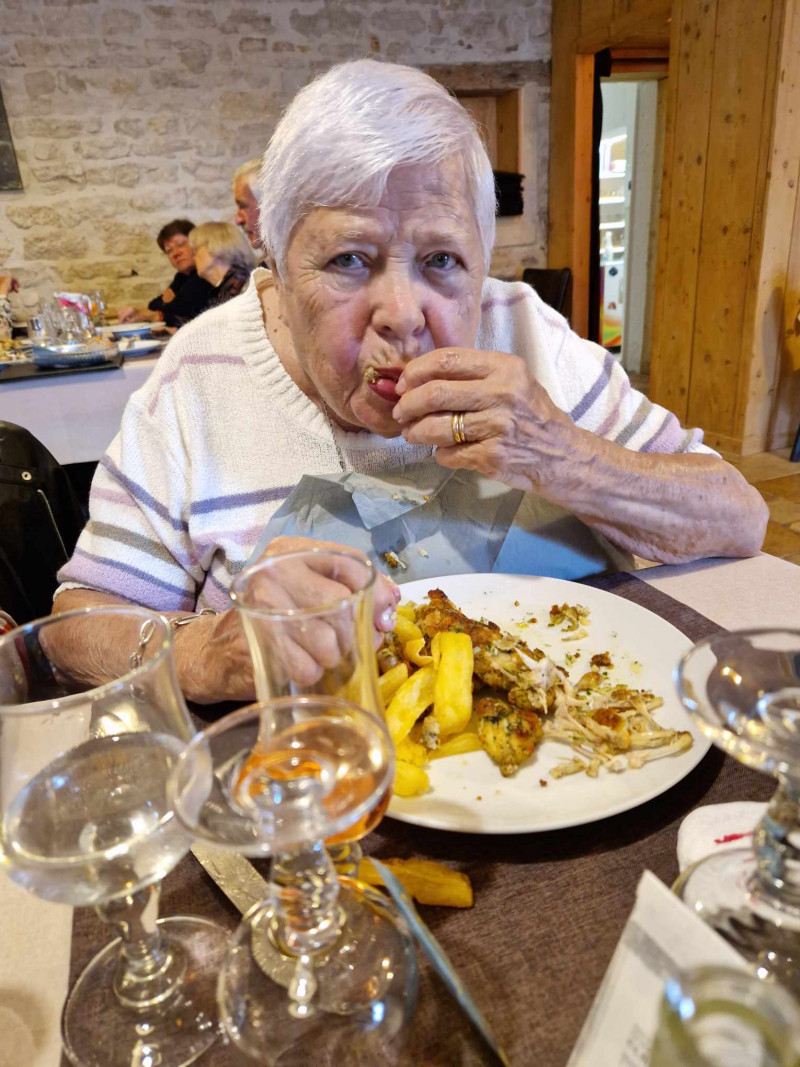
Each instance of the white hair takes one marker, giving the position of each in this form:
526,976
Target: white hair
342,135
225,243
247,170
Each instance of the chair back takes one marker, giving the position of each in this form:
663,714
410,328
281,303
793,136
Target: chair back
554,286
40,520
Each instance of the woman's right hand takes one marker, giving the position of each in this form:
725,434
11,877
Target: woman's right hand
127,314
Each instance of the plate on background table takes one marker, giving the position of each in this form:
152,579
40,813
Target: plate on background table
468,794
139,346
128,329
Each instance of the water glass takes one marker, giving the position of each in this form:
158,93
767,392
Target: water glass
721,1017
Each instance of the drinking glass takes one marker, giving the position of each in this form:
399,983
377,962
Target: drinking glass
721,1017
743,690
323,970
86,822
308,620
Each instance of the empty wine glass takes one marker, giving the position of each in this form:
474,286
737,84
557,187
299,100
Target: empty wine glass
323,971
308,618
86,822
743,690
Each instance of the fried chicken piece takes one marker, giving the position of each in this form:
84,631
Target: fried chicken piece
507,733
498,662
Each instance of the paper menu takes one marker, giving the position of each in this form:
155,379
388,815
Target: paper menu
661,938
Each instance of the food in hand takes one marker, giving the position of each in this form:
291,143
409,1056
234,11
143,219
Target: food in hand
426,881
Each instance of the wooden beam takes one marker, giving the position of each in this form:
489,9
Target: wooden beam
561,166
582,193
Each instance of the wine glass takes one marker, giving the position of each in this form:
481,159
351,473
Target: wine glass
743,690
308,620
323,970
85,821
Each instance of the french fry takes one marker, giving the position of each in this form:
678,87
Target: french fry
457,746
409,702
452,702
389,683
406,630
412,651
408,611
426,881
412,752
409,781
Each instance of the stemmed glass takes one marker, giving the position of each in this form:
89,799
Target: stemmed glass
322,971
308,620
743,689
86,822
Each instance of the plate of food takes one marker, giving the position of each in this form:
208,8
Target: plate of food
520,704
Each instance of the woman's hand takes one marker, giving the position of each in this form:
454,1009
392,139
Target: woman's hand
514,432
212,653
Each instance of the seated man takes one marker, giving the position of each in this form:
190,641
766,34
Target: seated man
187,294
247,206
377,342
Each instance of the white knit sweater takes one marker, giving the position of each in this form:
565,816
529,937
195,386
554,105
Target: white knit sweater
219,436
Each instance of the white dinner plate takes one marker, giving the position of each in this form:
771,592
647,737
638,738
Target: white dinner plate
469,794
136,346
128,329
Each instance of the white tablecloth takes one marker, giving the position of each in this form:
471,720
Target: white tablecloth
76,415
35,937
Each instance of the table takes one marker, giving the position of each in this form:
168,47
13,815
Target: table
75,416
536,989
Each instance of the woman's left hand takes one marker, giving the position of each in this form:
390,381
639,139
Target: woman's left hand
514,432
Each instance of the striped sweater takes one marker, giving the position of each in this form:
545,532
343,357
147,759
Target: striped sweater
220,435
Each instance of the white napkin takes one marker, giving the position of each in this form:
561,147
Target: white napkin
717,827
661,938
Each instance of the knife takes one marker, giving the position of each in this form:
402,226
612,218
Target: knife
440,962
234,874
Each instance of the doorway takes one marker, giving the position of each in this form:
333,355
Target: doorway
629,161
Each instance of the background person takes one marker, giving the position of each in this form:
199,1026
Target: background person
247,214
223,258
187,294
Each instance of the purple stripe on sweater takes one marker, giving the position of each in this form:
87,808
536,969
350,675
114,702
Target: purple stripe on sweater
606,426
123,580
603,378
111,496
168,378
217,595
239,500
667,436
140,494
246,539
505,302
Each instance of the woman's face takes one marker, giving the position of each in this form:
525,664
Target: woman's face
367,290
202,261
179,253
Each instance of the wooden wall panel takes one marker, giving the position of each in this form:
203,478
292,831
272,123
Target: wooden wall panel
683,199
770,388
729,212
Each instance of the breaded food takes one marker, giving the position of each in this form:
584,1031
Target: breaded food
508,734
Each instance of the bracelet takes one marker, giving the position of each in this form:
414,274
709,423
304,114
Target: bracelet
149,627
184,620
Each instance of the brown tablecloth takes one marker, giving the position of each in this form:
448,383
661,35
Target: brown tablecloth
549,907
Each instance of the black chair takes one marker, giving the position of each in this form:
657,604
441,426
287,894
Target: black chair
795,456
40,520
554,286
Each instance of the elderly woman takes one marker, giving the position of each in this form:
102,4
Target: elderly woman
223,258
376,342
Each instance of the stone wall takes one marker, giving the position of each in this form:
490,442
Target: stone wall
127,115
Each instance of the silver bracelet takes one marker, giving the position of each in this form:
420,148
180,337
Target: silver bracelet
149,627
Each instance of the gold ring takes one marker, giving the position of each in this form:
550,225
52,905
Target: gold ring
459,436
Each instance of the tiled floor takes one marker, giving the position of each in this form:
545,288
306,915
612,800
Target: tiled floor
778,481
